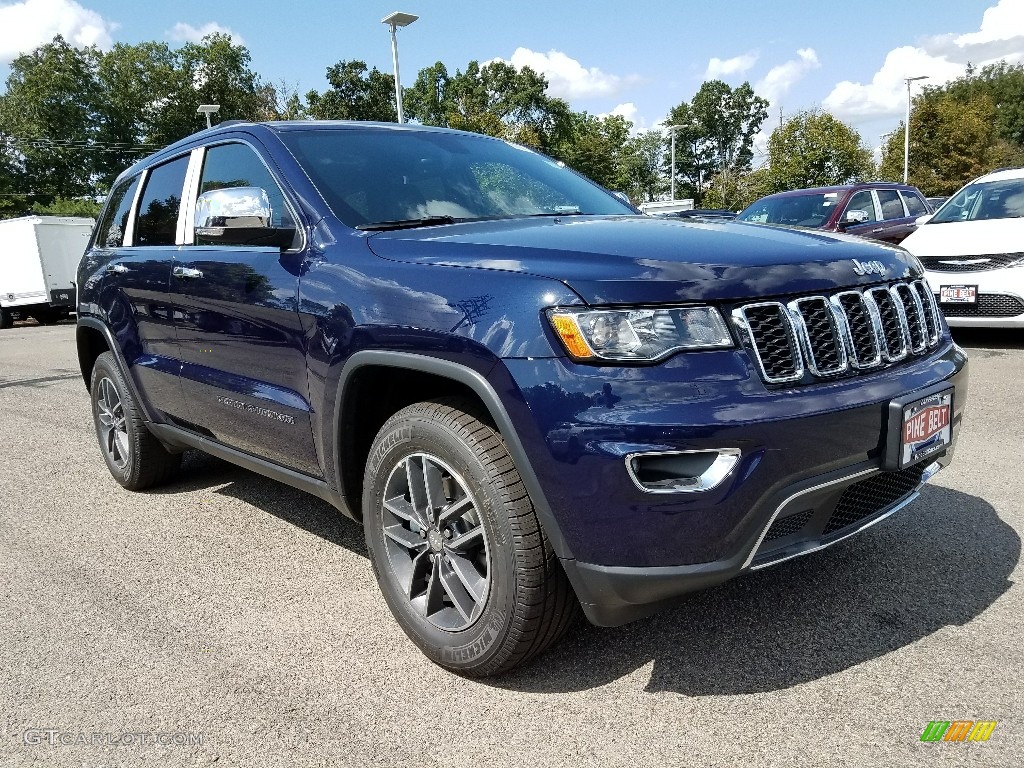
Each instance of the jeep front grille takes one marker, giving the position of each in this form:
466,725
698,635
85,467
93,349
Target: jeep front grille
829,336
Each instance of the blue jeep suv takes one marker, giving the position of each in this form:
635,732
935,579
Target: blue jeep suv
533,398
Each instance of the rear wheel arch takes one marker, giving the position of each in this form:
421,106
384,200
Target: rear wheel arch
363,405
91,343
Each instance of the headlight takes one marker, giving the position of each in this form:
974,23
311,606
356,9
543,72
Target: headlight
638,335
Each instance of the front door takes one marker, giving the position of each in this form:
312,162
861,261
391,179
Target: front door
241,343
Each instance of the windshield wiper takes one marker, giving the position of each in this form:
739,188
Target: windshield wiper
426,221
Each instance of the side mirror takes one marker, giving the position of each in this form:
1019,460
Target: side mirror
853,218
923,219
239,216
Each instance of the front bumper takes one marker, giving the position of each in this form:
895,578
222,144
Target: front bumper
806,451
1000,301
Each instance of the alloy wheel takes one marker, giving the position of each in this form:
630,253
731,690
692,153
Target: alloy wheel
436,542
112,425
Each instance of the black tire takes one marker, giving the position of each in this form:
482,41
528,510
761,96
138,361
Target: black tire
134,457
527,603
6,318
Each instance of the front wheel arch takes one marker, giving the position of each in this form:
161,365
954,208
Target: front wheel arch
460,380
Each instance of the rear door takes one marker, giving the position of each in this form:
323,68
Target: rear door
236,312
896,223
137,241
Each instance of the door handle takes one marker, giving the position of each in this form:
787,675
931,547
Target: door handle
880,229
118,269
187,273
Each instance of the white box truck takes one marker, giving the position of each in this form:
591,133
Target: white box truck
39,258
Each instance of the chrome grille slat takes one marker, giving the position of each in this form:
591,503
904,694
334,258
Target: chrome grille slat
846,332
770,328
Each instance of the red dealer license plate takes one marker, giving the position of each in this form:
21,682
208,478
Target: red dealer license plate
926,427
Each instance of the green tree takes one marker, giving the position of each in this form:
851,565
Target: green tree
594,146
951,142
814,149
135,82
715,133
496,99
1003,84
49,116
355,94
640,167
213,71
86,206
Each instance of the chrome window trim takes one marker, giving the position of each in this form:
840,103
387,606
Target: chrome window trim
285,193
133,212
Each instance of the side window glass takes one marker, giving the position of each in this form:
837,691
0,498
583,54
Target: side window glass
915,204
161,199
892,207
236,165
110,232
862,201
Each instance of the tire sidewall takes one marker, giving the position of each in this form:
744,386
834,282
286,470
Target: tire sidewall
475,646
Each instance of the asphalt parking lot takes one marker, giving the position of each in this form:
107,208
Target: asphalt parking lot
229,620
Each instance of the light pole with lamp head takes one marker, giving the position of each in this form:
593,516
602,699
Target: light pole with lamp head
396,20
906,129
208,109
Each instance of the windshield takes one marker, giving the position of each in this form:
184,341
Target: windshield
810,211
985,200
375,176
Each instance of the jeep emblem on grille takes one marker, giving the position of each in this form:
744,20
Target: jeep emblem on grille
868,267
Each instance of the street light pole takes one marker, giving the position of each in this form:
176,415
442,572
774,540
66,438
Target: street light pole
906,129
672,168
396,20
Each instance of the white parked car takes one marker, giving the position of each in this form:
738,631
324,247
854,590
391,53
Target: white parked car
972,249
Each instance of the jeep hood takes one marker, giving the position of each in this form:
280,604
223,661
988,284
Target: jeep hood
640,259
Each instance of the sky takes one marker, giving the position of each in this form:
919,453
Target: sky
637,60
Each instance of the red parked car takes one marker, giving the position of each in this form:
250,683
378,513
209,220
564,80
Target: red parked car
879,210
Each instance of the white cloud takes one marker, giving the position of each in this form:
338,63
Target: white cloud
183,32
942,58
567,78
27,25
737,65
628,111
782,77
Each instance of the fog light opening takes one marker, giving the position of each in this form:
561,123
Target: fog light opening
681,471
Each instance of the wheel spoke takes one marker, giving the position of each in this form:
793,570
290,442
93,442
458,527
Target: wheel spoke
399,507
435,592
453,510
419,567
432,488
468,576
121,442
404,536
414,483
463,601
466,540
